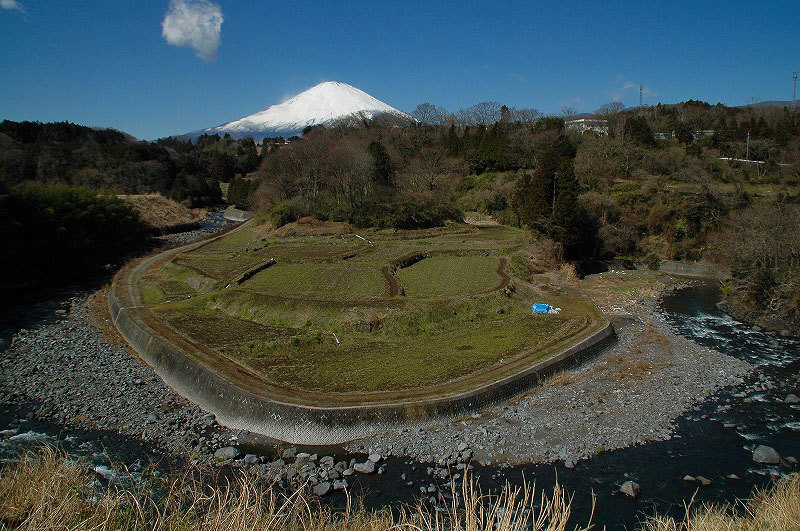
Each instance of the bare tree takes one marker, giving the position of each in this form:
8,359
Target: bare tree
609,109
568,112
525,116
484,113
429,114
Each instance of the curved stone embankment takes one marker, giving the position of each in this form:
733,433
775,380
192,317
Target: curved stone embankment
181,365
694,270
234,214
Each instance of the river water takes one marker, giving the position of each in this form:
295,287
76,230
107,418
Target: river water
714,440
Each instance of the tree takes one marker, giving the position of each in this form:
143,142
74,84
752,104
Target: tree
609,109
684,133
568,112
484,113
637,129
429,114
525,116
383,167
571,225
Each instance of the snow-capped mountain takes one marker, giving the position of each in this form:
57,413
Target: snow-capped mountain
326,103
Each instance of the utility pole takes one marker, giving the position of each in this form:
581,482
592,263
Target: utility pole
794,91
641,96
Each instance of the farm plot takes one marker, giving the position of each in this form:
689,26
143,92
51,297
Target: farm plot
450,276
324,281
378,314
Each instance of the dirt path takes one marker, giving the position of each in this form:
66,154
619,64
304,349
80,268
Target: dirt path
394,285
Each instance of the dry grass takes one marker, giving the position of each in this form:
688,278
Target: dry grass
160,212
47,491
100,318
777,509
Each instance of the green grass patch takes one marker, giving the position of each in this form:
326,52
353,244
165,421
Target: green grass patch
327,281
450,276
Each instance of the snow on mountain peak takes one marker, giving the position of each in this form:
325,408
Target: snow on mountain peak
321,104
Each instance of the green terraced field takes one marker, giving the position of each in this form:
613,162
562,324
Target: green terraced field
320,280
339,314
450,276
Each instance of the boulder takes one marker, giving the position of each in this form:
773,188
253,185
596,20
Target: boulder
766,455
703,481
251,459
375,458
290,453
367,467
630,488
792,399
690,479
227,452
340,484
322,488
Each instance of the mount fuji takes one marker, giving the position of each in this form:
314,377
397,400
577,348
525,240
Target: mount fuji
324,104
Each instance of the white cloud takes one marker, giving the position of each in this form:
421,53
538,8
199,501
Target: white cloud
194,23
12,4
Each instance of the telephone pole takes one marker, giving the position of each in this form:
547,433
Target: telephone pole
794,91
641,95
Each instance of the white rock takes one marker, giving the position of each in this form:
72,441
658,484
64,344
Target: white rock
630,488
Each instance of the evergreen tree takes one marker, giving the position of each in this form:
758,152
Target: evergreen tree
452,142
383,167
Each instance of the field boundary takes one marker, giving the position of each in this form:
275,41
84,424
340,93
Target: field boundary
240,400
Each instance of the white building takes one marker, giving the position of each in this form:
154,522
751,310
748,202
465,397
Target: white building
582,125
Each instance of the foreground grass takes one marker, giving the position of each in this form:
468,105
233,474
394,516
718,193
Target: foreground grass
777,509
47,491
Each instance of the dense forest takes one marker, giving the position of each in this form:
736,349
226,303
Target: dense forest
689,181
105,159
58,186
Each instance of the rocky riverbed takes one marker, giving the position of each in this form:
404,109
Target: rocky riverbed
74,370
629,394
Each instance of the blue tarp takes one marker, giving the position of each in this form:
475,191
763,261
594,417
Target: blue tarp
541,308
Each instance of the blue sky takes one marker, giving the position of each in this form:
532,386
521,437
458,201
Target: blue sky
108,63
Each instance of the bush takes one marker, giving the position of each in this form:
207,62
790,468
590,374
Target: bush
284,212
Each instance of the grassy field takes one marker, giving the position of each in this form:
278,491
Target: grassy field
450,276
368,313
320,280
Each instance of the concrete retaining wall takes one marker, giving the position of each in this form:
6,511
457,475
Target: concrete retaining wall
238,408
234,214
690,269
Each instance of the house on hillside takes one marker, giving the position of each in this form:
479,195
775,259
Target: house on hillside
581,125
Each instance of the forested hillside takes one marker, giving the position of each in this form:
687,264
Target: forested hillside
105,159
659,185
656,187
